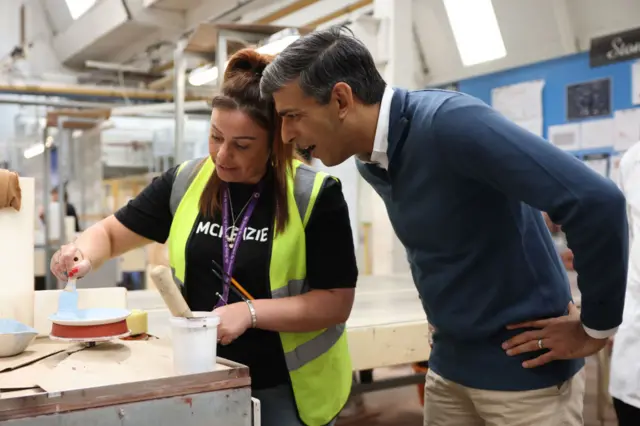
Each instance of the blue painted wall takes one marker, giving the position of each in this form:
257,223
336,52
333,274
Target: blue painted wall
557,74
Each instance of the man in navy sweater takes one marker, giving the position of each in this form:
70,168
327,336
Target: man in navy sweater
464,188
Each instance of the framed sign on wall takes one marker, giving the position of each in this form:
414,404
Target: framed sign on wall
589,99
614,48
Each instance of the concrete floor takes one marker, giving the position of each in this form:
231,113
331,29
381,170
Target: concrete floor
401,407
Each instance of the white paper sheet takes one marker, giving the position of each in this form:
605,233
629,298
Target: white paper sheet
533,125
521,103
598,165
597,133
635,83
614,171
565,136
627,128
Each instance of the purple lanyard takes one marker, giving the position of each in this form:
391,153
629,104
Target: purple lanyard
229,249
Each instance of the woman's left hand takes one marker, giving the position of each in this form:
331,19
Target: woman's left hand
234,321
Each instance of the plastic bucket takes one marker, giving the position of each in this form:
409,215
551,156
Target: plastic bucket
194,342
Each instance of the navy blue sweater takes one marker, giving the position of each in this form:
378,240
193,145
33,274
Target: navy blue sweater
464,190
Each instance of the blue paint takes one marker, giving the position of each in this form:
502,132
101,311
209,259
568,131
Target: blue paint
11,326
558,74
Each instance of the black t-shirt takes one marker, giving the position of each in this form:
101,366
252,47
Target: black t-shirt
330,256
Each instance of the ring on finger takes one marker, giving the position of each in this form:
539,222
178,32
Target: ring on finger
540,344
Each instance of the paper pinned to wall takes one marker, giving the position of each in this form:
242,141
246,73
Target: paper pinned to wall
534,125
597,133
521,103
614,171
635,83
598,165
565,136
627,128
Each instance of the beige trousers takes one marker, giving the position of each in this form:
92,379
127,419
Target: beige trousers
450,404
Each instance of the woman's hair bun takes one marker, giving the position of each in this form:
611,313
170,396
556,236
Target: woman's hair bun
246,63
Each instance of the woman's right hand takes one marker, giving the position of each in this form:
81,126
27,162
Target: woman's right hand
69,262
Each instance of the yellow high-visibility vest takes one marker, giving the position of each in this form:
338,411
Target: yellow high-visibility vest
318,362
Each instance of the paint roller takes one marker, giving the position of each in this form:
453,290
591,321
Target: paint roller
170,292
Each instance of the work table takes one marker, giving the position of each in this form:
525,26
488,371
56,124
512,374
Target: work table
387,325
118,383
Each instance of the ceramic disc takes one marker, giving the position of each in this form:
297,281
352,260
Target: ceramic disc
86,317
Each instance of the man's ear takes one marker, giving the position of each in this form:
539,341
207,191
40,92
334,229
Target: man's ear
343,96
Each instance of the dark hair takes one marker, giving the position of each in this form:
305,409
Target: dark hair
241,91
320,60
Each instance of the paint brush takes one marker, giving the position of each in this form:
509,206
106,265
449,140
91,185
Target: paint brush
68,300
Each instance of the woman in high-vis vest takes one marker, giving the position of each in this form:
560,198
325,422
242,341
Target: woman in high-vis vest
280,228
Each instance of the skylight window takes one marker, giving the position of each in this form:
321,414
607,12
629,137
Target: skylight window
476,31
77,8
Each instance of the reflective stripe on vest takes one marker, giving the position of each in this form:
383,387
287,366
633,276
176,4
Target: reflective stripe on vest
184,176
315,347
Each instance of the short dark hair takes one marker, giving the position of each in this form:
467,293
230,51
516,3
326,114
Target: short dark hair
320,60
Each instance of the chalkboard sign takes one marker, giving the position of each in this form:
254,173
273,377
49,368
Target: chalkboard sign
589,99
613,48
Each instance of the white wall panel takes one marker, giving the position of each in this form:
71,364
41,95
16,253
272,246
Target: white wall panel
594,18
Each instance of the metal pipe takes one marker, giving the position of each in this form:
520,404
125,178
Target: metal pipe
59,104
80,156
62,199
180,81
23,26
126,110
109,66
221,57
48,253
95,92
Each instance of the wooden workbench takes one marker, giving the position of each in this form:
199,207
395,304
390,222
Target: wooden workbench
387,326
118,383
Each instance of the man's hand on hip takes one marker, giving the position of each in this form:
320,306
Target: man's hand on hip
562,338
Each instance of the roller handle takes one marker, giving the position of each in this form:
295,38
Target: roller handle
170,292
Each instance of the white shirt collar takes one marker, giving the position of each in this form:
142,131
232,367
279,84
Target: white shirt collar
381,139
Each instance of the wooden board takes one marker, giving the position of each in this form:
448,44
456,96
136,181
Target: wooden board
40,348
17,231
388,345
110,363
108,374
46,303
75,366
28,376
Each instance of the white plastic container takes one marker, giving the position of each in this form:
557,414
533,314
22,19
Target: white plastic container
194,342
